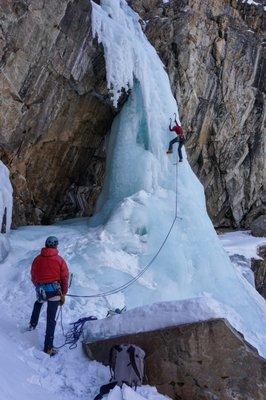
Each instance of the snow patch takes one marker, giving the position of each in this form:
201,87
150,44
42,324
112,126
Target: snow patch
167,314
242,243
5,210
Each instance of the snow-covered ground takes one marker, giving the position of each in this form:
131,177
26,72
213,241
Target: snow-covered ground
26,373
25,369
192,274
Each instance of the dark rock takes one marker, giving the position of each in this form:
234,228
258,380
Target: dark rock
202,361
258,226
55,108
259,269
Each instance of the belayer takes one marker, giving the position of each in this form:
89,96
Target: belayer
179,138
49,274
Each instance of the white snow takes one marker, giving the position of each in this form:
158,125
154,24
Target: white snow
241,246
251,2
242,243
6,202
126,393
254,3
25,371
161,315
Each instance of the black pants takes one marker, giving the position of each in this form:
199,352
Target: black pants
52,307
181,142
105,389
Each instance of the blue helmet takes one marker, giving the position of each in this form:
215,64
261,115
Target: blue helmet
51,241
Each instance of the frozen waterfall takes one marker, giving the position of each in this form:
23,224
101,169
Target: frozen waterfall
5,210
136,206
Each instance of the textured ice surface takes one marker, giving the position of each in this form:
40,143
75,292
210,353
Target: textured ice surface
137,204
5,210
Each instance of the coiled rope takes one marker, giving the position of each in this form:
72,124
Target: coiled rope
73,334
135,278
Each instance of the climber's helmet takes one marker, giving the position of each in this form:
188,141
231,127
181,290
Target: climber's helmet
51,242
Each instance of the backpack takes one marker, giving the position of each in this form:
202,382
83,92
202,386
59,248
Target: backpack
127,364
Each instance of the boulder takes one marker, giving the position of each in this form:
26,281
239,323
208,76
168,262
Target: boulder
258,226
207,360
258,266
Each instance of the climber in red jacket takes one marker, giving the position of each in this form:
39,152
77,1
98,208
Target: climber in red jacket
49,274
179,138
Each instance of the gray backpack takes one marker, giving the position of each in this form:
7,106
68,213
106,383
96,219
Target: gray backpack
127,364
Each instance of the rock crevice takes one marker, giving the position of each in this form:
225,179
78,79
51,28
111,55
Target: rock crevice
55,109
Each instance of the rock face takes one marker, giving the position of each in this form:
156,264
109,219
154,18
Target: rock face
55,110
259,269
201,361
258,226
214,52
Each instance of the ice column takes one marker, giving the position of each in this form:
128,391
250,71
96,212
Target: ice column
5,210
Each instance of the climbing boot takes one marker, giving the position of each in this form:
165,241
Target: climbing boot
30,327
181,159
169,152
51,351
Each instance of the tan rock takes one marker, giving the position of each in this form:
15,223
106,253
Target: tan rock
202,361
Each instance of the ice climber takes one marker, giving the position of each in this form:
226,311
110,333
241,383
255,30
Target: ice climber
49,274
179,138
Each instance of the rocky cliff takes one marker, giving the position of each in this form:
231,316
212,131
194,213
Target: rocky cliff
55,108
214,52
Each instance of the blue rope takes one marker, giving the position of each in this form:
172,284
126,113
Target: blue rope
74,333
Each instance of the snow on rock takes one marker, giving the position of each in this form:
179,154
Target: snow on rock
5,210
242,243
251,2
162,315
142,393
242,247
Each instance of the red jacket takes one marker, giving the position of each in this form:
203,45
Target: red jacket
178,130
49,267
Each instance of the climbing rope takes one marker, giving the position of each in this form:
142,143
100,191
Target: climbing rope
135,278
73,335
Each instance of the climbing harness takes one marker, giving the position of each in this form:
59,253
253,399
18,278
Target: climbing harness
136,277
74,333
